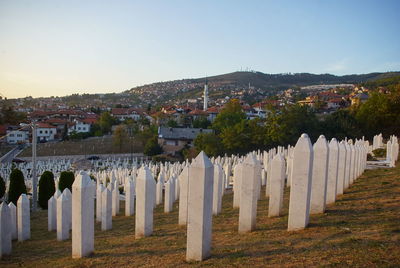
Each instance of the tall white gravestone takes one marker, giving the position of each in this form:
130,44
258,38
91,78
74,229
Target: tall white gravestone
129,198
200,196
5,230
277,186
300,187
82,216
218,189
23,218
248,194
319,176
144,203
106,210
63,217
333,164
52,214
183,195
13,213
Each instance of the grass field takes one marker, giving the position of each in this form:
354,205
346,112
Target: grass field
362,229
90,146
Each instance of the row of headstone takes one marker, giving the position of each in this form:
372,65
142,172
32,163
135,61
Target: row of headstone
14,223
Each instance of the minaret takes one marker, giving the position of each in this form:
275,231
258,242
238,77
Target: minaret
205,106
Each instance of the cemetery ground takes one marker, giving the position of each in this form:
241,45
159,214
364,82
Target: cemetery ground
89,146
361,229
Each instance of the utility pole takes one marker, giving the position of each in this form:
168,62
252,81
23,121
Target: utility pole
34,177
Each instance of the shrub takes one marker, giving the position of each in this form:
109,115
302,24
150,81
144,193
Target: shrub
46,188
379,152
2,187
370,158
17,186
66,180
152,147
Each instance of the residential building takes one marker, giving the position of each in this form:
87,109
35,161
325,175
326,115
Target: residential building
175,139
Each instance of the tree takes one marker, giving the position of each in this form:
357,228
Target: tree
17,185
201,122
229,116
341,124
209,143
46,188
106,121
236,139
152,147
2,187
66,180
172,123
120,136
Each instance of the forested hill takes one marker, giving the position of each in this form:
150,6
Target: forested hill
264,81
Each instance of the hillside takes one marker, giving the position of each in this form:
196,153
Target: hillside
361,229
258,82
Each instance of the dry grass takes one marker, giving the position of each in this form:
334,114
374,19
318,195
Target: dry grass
361,229
90,146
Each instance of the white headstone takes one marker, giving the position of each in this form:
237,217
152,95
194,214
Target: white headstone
169,195
319,176
23,218
300,188
63,217
5,230
13,213
106,210
52,214
277,186
248,194
341,168
218,189
129,198
200,196
83,191
144,203
333,164
183,195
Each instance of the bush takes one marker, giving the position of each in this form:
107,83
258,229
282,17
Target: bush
379,152
152,147
370,158
17,186
2,187
46,188
66,180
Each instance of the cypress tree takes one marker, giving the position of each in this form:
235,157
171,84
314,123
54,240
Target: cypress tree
46,188
2,187
66,180
17,186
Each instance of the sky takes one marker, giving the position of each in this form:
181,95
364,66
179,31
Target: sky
56,48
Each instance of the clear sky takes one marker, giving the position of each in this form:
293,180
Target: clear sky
56,48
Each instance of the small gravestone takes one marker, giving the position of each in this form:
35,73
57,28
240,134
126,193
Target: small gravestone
333,164
13,213
319,175
300,187
277,185
23,218
169,195
5,230
248,195
52,214
217,189
106,210
129,198
237,184
99,190
159,189
63,217
341,168
183,195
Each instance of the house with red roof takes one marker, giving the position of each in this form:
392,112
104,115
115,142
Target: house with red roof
45,132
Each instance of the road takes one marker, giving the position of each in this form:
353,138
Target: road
8,157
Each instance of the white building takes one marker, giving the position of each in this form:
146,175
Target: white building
125,113
45,132
79,127
16,135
